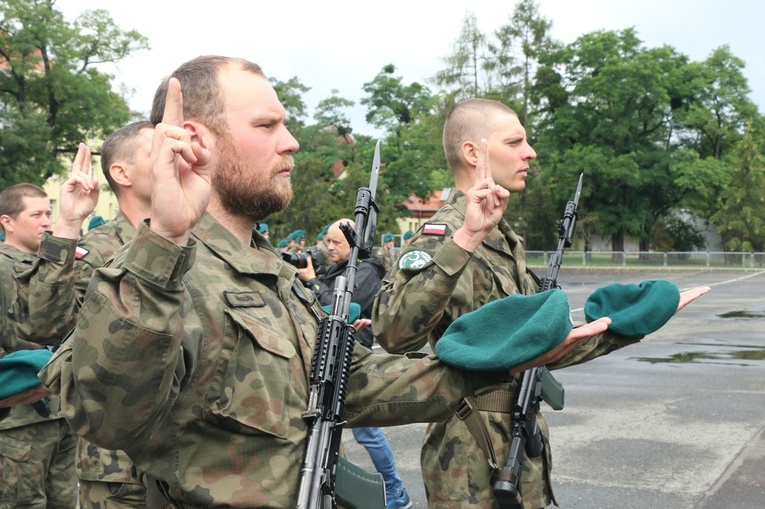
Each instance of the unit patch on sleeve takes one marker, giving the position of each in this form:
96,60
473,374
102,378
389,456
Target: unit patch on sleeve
414,260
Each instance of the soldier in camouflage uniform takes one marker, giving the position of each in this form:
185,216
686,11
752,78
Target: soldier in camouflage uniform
192,352
385,253
58,281
465,256
36,444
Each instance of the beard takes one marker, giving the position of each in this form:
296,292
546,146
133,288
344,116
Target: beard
245,193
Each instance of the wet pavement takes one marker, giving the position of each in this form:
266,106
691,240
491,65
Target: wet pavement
676,421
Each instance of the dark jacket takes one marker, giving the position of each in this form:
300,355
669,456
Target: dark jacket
369,274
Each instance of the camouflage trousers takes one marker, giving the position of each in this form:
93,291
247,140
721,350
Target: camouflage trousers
111,495
37,463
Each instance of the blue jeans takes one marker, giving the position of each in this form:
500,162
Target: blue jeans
379,450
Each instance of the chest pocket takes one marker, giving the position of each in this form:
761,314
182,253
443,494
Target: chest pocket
254,386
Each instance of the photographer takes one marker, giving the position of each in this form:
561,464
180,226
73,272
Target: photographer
369,275
318,261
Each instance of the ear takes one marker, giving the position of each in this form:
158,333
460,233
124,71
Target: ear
120,175
198,132
5,220
470,153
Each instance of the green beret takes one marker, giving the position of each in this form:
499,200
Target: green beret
18,371
508,332
354,311
325,229
95,221
262,227
408,234
387,237
635,310
282,243
298,234
320,236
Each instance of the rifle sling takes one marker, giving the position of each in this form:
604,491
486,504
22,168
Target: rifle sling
472,419
496,401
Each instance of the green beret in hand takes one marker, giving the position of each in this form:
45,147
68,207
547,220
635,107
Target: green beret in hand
18,371
507,333
635,310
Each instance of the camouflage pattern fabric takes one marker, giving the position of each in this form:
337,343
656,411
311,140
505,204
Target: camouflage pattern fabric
434,282
36,451
112,495
195,361
386,257
38,466
56,287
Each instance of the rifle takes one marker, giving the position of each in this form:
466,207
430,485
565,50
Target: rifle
330,368
525,428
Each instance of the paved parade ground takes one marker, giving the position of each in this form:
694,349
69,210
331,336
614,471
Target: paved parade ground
676,421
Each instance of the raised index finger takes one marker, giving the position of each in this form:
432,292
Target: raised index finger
173,114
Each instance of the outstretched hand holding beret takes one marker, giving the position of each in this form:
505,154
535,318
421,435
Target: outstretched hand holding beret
507,333
635,310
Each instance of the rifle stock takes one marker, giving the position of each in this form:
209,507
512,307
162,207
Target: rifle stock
330,368
525,428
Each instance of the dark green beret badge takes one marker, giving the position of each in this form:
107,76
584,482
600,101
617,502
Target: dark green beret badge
18,371
508,332
635,310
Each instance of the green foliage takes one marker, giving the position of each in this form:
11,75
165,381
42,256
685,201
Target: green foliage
739,216
676,233
51,94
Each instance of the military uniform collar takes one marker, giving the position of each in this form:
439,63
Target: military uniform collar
260,258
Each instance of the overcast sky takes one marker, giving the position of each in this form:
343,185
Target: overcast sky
344,44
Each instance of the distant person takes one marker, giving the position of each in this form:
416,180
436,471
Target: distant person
262,228
385,253
37,446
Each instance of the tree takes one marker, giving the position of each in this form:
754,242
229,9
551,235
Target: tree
329,113
715,110
615,126
413,119
466,73
739,217
520,43
290,94
52,96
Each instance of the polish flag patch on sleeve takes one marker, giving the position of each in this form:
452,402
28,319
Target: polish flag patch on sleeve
80,252
434,229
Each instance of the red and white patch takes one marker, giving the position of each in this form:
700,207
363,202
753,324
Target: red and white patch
80,252
434,229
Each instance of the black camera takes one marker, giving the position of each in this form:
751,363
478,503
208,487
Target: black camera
300,260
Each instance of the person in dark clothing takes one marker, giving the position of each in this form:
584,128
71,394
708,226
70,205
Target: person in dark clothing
369,274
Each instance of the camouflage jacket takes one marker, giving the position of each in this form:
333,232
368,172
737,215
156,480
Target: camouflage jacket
57,282
56,286
433,282
12,263
386,257
196,361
